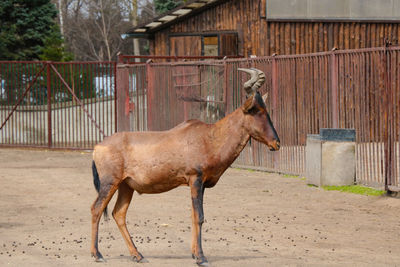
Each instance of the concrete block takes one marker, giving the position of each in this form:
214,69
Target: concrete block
313,159
330,157
338,163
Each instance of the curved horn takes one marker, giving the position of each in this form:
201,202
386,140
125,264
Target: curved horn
260,81
256,80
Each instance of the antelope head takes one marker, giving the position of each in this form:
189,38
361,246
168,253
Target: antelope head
257,120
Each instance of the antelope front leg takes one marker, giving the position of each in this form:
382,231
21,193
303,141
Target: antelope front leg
197,192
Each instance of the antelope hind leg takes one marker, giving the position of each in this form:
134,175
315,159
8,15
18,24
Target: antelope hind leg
197,192
107,190
119,213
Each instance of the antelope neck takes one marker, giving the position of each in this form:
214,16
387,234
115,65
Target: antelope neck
230,136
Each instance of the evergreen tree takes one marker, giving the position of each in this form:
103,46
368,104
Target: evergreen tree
166,5
25,27
53,49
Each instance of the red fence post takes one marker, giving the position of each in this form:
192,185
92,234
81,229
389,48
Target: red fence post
334,90
274,97
115,96
225,87
122,97
49,125
274,90
150,91
387,101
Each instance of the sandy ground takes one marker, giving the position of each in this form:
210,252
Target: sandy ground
252,219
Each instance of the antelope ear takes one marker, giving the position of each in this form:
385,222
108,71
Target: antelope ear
265,97
249,104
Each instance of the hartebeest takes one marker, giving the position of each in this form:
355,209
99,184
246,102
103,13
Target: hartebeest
193,153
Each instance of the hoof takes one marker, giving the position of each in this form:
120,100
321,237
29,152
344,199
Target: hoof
143,260
201,261
98,257
100,260
140,259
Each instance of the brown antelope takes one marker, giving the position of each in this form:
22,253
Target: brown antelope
193,153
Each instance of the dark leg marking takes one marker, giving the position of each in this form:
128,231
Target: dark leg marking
107,190
197,202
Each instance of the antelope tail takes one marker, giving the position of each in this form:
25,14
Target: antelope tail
96,182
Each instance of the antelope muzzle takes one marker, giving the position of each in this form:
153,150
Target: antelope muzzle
275,145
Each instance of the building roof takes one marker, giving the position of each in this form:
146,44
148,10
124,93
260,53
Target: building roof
184,11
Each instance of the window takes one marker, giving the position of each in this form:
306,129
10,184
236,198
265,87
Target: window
210,46
223,44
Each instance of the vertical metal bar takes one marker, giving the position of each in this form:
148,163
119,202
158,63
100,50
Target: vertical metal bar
225,87
49,129
184,83
101,108
334,90
386,114
122,93
92,71
274,97
150,90
2,95
115,96
91,131
37,114
40,107
20,118
60,111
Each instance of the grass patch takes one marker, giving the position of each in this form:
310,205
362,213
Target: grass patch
290,176
355,189
244,169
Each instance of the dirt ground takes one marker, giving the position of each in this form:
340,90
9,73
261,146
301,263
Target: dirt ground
252,219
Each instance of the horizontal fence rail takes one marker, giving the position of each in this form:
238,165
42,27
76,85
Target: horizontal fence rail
340,89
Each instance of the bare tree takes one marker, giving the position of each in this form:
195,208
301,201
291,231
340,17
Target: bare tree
134,19
92,28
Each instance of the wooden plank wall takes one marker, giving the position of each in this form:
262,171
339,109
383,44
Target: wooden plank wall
262,38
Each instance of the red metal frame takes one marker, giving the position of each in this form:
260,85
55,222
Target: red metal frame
64,127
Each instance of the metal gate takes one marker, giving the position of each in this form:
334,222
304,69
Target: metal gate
56,105
159,96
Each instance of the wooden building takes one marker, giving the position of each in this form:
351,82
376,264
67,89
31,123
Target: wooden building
266,27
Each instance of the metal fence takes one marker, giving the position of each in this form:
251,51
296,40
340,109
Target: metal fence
56,105
74,105
339,89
